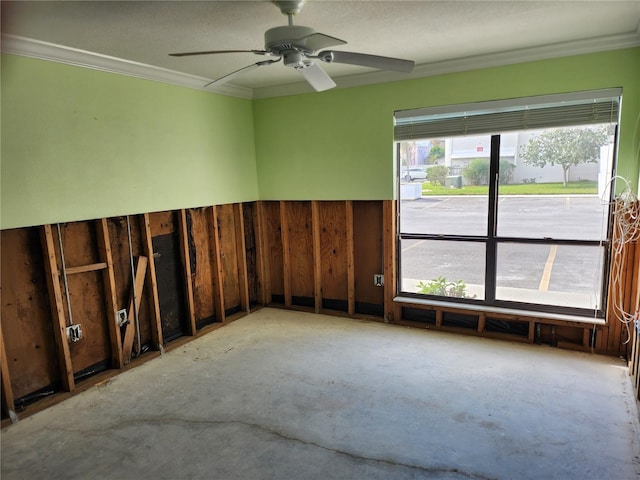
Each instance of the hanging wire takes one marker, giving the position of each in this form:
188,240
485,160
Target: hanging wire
64,276
626,230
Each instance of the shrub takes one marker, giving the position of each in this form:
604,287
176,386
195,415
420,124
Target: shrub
506,172
477,172
437,175
440,286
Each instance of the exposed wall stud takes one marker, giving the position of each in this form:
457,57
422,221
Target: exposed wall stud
317,256
351,287
241,253
152,283
57,309
7,390
218,272
286,254
391,309
108,277
263,255
186,264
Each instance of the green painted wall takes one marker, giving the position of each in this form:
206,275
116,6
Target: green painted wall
81,144
338,144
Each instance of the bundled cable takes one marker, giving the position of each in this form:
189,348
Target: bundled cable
626,231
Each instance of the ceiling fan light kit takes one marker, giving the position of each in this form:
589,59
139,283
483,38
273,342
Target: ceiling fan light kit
295,45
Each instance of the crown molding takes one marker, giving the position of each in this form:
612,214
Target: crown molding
28,47
71,56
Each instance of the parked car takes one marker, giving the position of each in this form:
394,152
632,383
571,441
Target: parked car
414,173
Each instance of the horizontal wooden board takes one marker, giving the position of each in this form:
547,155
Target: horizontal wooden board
162,223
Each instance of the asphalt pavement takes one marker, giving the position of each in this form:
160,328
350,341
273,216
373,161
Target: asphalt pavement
557,274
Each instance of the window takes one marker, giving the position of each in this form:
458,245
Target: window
515,208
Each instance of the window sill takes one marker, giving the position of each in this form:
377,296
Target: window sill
506,311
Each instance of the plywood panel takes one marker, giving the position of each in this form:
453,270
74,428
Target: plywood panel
86,292
300,234
201,263
170,278
333,251
273,241
367,233
80,244
162,223
26,318
228,257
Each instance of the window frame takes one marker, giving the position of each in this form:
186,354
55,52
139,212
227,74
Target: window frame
492,240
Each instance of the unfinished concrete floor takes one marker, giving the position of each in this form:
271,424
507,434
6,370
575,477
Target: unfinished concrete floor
287,395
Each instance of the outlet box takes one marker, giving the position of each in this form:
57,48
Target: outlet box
378,279
74,333
121,317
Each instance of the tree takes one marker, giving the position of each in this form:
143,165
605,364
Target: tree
408,153
436,153
566,147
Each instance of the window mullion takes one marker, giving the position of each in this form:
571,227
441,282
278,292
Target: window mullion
492,215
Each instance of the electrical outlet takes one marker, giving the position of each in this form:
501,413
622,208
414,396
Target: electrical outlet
378,279
74,333
121,317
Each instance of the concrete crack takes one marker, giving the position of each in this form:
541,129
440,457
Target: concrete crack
127,422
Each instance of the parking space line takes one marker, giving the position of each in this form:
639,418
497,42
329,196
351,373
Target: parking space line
548,266
419,242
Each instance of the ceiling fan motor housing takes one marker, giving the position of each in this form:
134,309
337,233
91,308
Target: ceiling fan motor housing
280,39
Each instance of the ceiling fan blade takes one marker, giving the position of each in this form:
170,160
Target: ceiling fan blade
365,60
317,77
318,41
211,52
232,75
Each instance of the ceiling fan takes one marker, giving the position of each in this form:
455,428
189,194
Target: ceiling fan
296,46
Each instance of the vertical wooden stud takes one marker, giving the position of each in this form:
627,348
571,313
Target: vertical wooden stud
104,247
482,320
351,275
438,318
391,310
134,305
262,254
186,263
241,253
152,283
531,335
57,309
9,404
218,273
286,254
317,256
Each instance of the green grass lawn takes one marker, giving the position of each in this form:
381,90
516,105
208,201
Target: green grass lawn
573,188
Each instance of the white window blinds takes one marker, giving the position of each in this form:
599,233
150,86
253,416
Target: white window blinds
580,108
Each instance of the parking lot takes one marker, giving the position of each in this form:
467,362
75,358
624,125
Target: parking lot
557,274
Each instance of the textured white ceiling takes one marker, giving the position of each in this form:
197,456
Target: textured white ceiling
423,31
